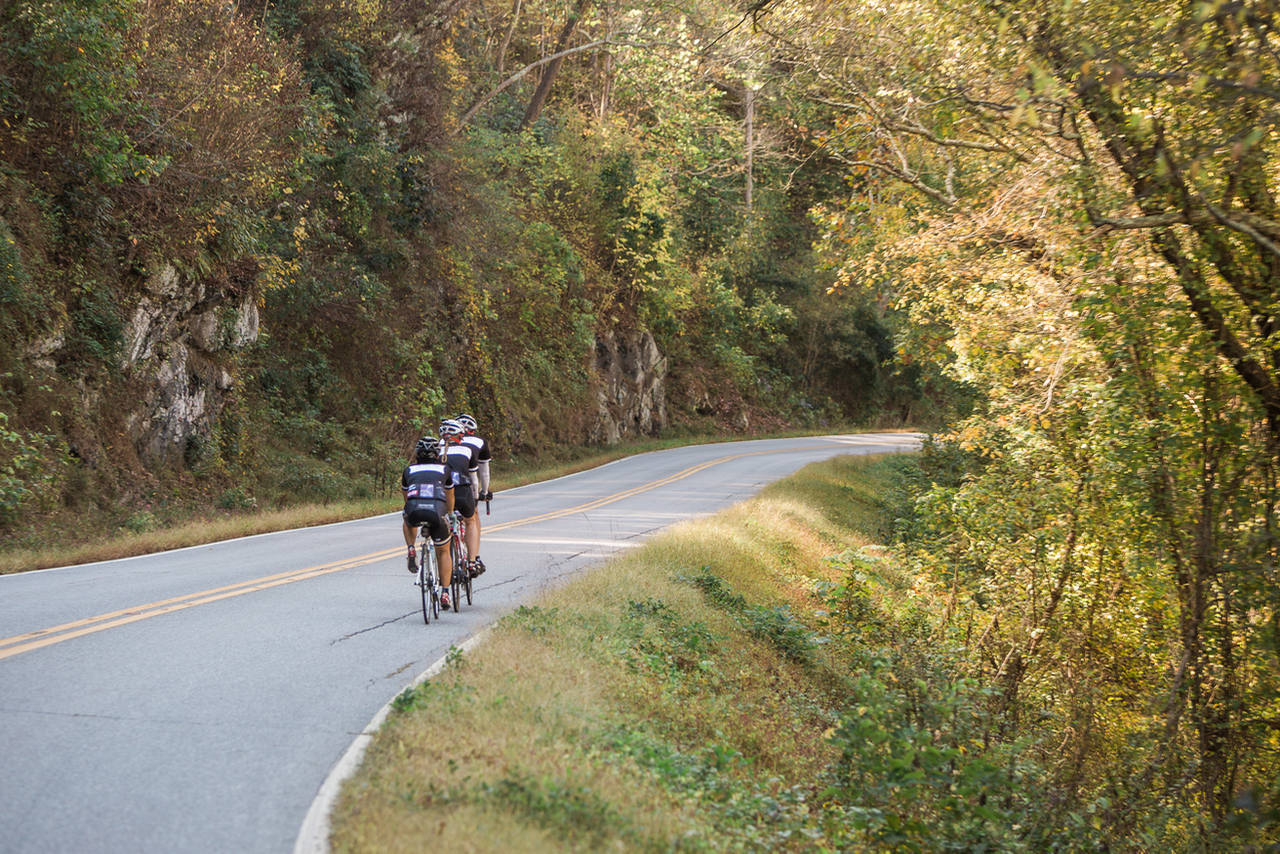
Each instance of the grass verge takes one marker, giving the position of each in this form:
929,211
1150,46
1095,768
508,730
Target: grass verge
679,697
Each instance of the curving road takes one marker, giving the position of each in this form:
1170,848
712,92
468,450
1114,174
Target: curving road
194,701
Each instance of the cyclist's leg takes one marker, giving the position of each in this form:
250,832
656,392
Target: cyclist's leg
410,537
446,565
437,531
473,536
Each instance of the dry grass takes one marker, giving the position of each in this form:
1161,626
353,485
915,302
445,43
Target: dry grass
629,711
86,548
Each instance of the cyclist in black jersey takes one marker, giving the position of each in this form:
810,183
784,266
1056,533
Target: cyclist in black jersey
479,484
428,499
461,459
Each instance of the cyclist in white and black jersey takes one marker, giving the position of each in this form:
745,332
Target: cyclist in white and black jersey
462,462
428,498
479,483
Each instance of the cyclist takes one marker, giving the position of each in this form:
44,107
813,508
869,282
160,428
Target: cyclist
462,461
428,499
479,484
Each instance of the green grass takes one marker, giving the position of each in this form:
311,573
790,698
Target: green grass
678,698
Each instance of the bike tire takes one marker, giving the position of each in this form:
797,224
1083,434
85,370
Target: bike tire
435,584
462,544
458,554
425,583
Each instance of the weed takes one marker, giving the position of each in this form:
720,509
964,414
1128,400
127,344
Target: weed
237,498
650,608
531,618
140,523
572,811
777,625
746,813
673,646
714,589
414,697
453,659
774,624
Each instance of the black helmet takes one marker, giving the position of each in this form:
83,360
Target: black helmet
427,450
468,423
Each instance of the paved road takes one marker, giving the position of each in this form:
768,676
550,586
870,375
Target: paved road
194,701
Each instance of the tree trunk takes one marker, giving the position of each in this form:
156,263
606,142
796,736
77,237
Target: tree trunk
553,68
750,142
506,40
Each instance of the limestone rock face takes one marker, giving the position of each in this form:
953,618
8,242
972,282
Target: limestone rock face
632,397
175,343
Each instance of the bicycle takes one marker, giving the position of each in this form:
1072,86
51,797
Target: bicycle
428,579
458,554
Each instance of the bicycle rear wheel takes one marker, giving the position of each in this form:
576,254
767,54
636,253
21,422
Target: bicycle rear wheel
458,554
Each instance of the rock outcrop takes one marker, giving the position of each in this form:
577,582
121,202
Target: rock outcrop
175,343
631,398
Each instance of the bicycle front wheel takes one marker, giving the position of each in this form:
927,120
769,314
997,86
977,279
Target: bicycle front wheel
458,554
426,579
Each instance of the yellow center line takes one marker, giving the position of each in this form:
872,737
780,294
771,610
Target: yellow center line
79,628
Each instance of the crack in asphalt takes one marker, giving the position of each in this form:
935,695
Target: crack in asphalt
184,722
383,624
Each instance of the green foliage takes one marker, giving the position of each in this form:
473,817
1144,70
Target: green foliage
19,299
97,328
666,644
745,812
532,618
75,68
775,624
574,813
919,772
32,467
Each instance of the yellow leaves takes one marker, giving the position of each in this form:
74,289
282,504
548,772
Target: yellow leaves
1115,79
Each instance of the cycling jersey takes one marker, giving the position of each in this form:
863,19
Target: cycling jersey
463,465
481,445
425,497
480,484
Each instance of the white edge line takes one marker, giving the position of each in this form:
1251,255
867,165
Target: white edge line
29,572
313,837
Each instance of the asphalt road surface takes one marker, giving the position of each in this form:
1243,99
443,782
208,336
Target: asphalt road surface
196,700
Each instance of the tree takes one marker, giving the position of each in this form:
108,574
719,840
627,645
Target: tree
553,68
1005,156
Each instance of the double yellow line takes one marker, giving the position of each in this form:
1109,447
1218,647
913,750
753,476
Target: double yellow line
45,637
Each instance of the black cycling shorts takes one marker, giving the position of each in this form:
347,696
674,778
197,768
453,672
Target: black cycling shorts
427,514
463,501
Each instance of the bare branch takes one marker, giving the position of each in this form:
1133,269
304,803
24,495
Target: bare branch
610,42
1260,228
907,178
